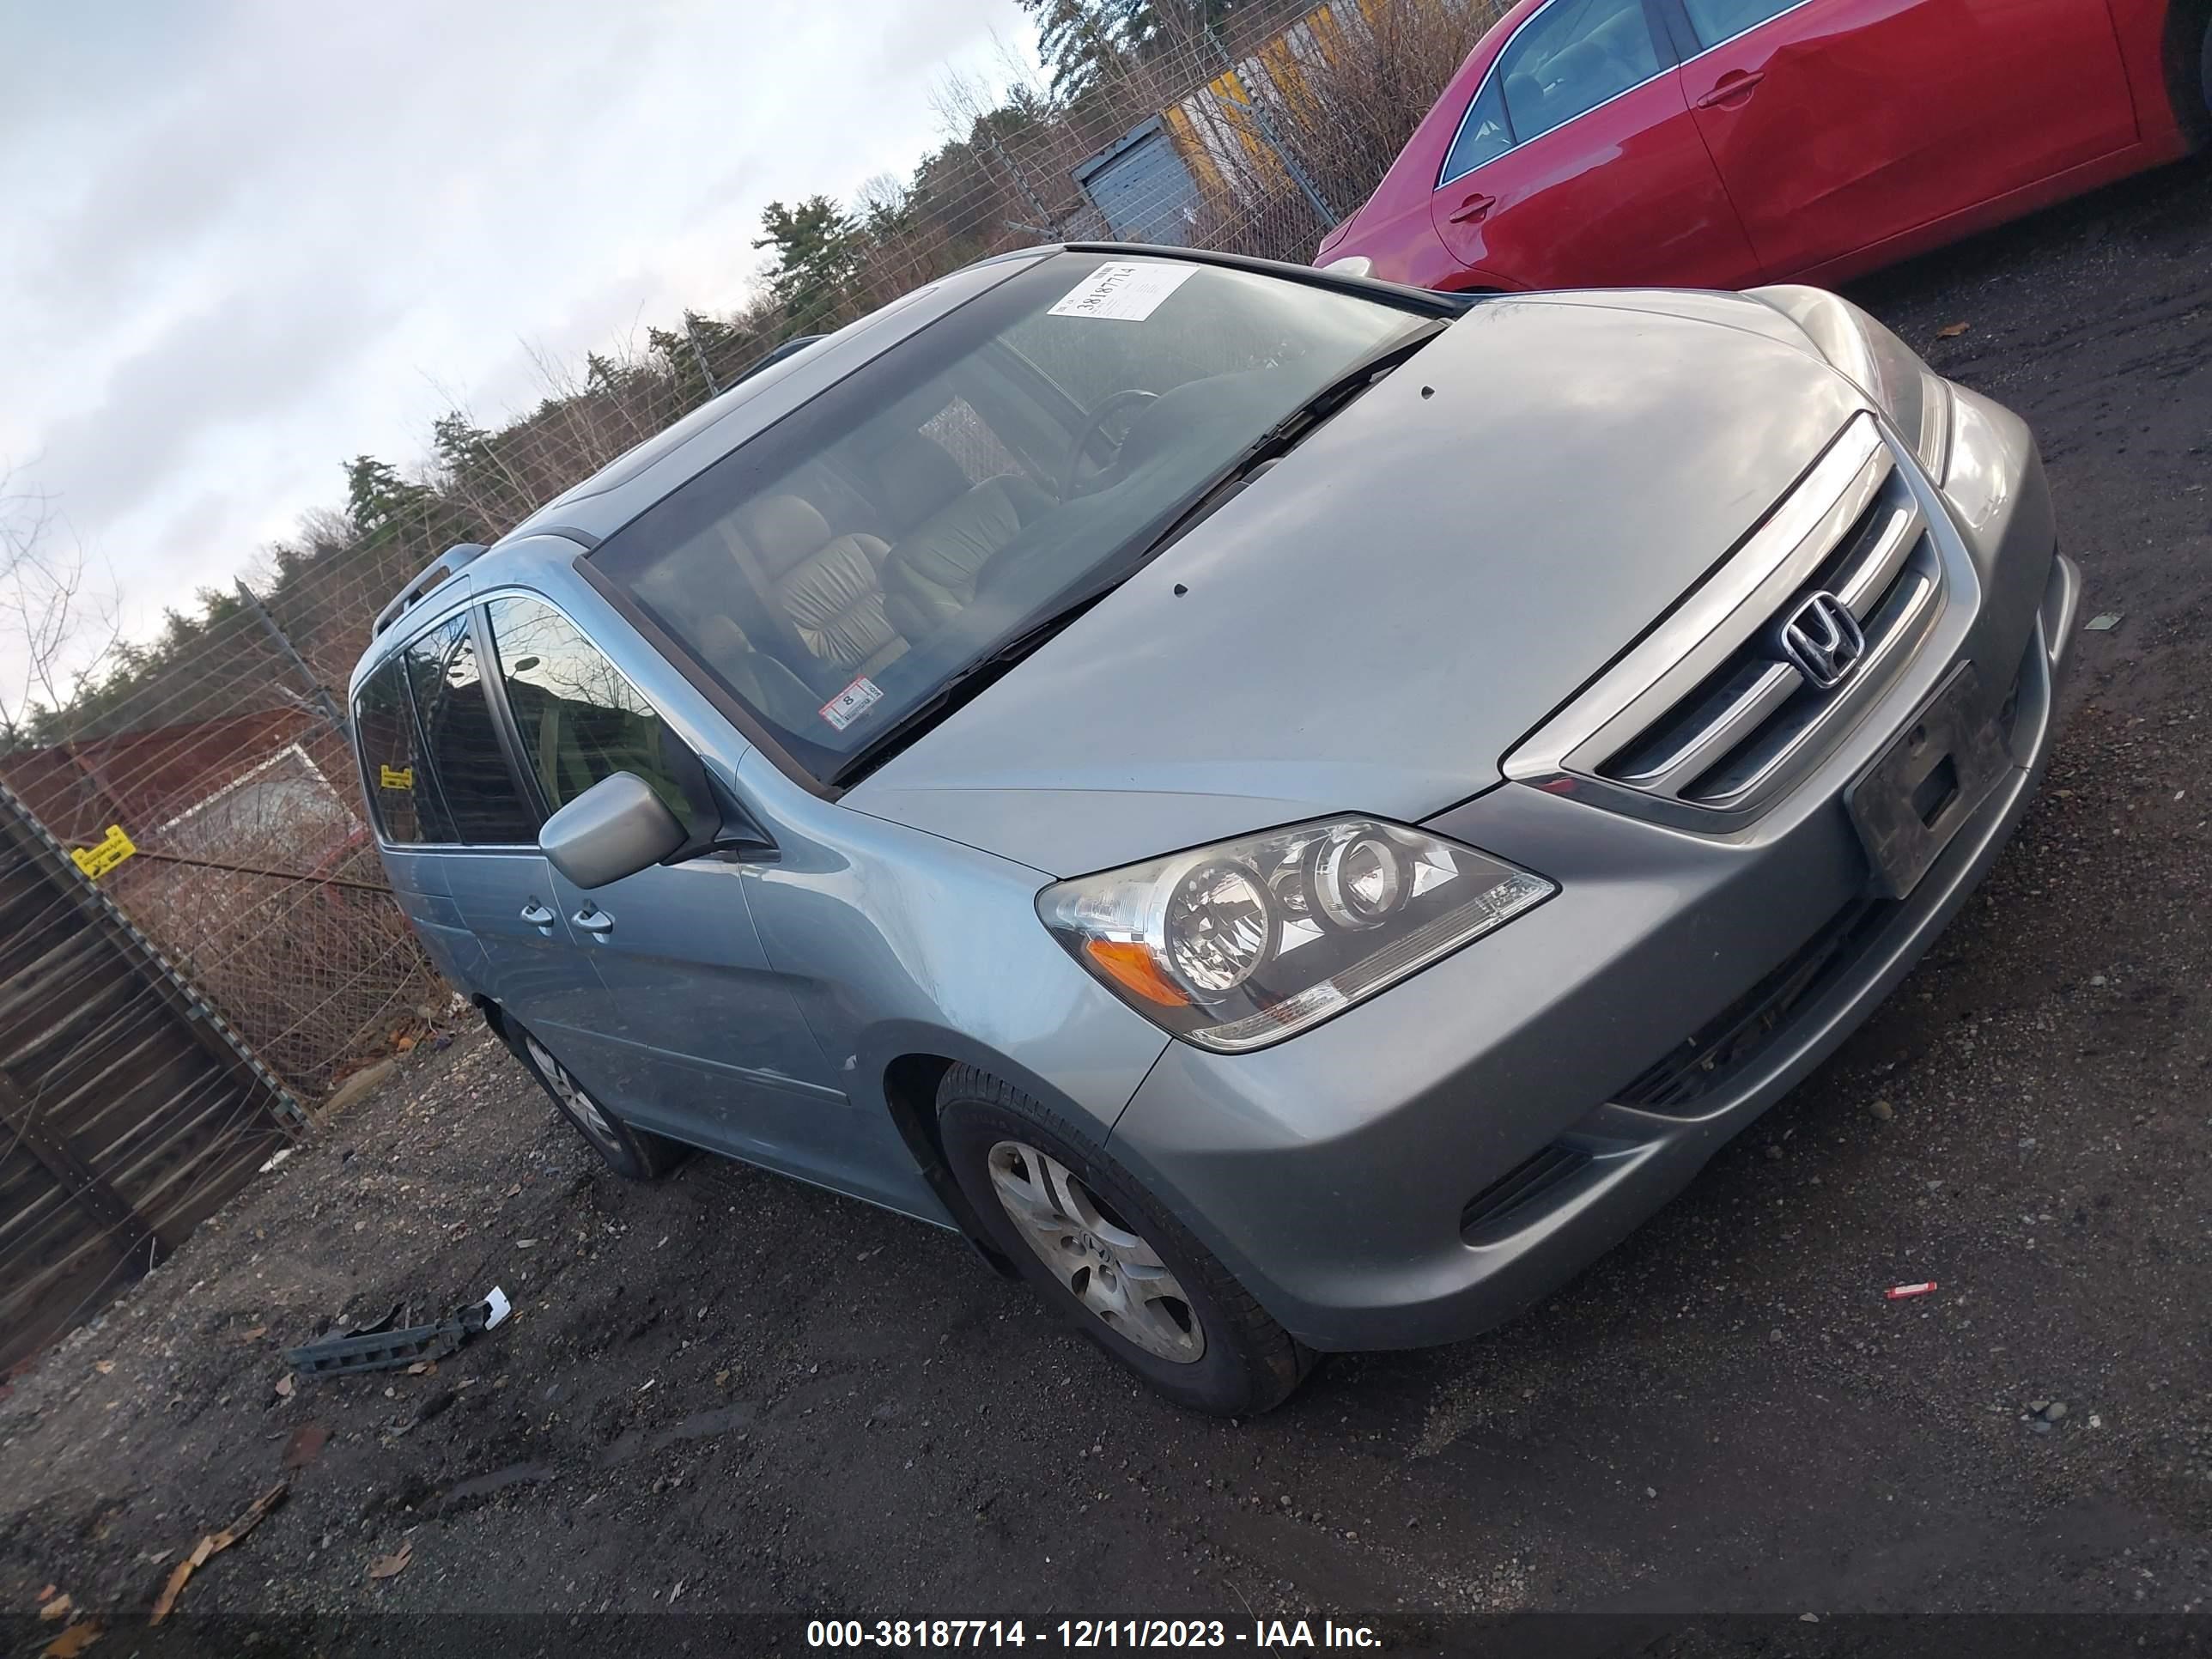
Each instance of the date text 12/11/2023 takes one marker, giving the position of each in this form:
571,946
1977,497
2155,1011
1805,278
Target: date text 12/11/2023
1261,1634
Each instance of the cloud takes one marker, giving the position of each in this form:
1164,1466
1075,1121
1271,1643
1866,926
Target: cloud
242,362
248,239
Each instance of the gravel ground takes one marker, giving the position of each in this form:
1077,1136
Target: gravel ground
731,1391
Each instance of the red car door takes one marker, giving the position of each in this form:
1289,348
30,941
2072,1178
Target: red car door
1578,163
1839,123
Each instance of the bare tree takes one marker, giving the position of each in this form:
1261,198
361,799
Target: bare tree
60,622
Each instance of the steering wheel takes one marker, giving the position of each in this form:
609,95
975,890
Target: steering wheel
1112,404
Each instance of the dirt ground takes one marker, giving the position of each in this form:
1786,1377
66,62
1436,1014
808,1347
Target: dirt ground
732,1392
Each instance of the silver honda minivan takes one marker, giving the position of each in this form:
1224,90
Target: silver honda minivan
1294,812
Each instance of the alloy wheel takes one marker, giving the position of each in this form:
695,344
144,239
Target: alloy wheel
570,1093
1105,1264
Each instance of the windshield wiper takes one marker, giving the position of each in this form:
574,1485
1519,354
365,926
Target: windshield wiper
1362,373
1270,446
970,681
1285,436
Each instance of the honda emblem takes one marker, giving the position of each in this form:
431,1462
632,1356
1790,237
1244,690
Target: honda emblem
1820,639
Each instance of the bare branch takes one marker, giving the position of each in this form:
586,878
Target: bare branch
59,616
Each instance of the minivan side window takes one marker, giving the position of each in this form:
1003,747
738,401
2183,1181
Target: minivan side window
482,798
1572,57
408,810
579,719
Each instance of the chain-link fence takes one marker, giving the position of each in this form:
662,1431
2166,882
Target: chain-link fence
233,787
218,750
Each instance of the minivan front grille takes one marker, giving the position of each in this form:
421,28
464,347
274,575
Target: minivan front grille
1711,713
1716,745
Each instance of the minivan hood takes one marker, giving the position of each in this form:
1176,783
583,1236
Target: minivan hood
1373,623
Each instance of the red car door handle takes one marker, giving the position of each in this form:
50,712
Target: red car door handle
1736,83
1473,209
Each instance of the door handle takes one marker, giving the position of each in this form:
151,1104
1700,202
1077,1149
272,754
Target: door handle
1474,209
1736,83
537,915
594,920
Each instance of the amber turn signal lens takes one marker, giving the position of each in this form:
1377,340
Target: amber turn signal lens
1131,966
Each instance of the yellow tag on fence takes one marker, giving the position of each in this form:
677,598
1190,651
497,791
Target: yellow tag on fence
97,861
399,777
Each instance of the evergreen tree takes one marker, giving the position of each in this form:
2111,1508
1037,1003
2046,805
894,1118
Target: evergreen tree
377,498
818,250
1081,41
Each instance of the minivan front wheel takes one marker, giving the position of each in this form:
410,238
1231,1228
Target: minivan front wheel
1107,1256
631,1153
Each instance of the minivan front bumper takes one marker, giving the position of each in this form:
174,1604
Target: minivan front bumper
1432,1162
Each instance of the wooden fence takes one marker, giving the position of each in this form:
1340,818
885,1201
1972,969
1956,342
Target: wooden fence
130,1109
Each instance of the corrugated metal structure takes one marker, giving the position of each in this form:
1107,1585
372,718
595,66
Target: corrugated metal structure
1314,113
1225,131
129,1109
1141,186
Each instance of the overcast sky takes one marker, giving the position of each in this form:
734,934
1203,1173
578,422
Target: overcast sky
243,239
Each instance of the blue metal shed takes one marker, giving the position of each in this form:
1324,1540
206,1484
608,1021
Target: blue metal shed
1141,185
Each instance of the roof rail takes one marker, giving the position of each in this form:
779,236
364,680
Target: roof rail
452,560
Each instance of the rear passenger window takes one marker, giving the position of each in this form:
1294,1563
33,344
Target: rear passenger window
480,793
407,809
579,719
1572,57
1483,136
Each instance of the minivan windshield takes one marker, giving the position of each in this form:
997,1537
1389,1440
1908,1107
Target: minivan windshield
838,572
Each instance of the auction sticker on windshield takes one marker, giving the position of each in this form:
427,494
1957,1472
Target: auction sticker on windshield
855,701
1122,293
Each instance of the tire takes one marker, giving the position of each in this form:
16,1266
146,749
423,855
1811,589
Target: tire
633,1154
2204,70
2188,68
1108,1257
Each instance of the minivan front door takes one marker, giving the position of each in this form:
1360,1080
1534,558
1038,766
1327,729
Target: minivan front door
715,1048
700,1038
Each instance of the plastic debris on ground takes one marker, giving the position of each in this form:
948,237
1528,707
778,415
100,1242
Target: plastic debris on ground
388,1345
1907,1292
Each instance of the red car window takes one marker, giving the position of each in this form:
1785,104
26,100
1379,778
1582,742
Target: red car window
1483,135
1572,57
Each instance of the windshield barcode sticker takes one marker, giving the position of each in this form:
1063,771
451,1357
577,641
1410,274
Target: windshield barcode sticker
1122,293
855,701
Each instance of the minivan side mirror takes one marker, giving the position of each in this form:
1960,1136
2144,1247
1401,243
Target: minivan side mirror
615,828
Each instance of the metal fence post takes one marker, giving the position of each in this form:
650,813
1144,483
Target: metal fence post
691,329
1051,219
315,687
1255,106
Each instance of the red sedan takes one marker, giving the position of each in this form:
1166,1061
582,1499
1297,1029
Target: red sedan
1719,143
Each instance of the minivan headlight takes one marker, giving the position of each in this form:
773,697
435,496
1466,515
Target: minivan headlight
1917,399
1242,943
